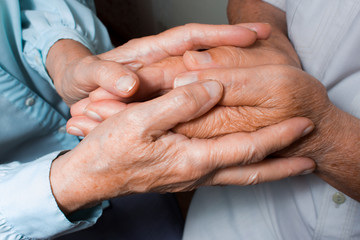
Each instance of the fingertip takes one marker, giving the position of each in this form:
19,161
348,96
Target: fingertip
214,88
185,79
80,126
78,108
134,66
199,58
262,30
306,125
93,115
127,85
308,130
298,126
75,131
308,165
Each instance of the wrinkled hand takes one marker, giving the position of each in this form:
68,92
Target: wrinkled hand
262,96
135,151
76,72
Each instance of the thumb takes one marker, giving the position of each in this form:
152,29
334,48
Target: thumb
179,105
113,77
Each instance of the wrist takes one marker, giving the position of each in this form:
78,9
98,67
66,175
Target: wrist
68,183
333,146
62,55
339,163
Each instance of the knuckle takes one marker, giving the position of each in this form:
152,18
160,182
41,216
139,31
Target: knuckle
133,120
186,100
233,56
253,151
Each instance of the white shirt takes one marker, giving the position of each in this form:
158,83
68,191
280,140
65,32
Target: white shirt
326,36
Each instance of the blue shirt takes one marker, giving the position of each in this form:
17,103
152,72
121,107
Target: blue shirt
33,116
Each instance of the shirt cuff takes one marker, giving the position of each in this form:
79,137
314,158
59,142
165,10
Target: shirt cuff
281,4
37,59
28,207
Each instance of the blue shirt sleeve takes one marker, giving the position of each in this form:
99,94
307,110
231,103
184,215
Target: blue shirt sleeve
45,22
34,205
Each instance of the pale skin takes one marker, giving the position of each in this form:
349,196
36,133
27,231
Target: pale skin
135,150
76,71
263,95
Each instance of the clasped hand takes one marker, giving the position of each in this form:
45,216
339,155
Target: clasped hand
144,146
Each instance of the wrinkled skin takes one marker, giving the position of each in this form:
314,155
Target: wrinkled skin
135,151
76,72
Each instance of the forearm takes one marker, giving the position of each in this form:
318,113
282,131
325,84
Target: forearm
242,11
334,147
341,166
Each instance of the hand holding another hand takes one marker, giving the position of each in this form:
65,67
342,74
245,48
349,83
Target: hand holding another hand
135,151
76,72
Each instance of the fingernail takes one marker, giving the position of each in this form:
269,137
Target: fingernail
125,83
134,66
249,26
253,30
93,115
185,79
200,57
75,131
306,172
307,130
213,88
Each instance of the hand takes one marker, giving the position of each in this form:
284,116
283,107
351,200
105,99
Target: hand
76,72
277,49
262,96
135,151
258,97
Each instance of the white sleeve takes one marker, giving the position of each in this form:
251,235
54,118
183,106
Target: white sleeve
281,4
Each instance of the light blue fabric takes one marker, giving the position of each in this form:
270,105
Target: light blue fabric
32,115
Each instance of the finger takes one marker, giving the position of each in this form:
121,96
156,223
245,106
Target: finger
176,41
113,77
179,105
78,108
80,126
225,120
158,77
116,79
265,171
226,56
263,30
246,87
246,148
101,110
101,94
154,78
229,56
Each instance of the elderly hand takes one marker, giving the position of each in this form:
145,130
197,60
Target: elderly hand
258,97
262,96
76,72
135,151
